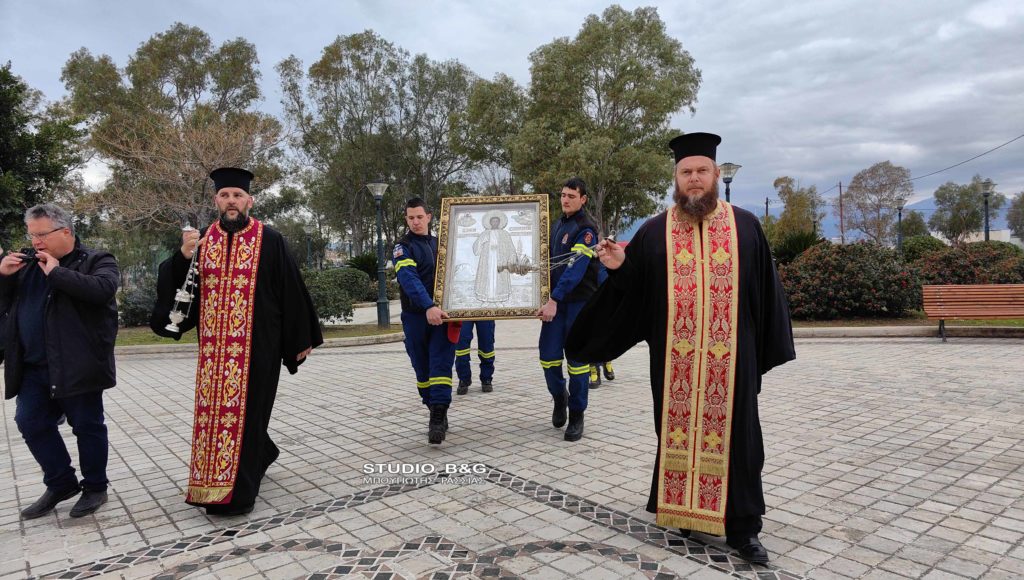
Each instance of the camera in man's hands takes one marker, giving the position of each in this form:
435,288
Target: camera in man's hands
29,256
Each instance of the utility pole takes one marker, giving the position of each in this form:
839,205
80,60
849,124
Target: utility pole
842,229
766,209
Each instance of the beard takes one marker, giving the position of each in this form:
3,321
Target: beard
234,225
696,207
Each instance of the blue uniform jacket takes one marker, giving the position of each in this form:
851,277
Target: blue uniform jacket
575,283
415,260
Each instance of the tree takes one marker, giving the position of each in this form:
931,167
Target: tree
801,209
913,225
872,197
599,108
179,109
39,148
1015,216
366,111
494,116
960,210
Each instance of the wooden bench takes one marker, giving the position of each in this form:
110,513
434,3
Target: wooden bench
973,302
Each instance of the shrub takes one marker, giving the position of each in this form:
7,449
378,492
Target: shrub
793,244
915,247
366,262
976,263
135,303
334,290
849,281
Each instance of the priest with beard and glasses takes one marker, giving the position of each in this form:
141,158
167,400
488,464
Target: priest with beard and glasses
253,314
699,285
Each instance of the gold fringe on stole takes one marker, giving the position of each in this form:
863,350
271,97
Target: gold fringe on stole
198,494
713,528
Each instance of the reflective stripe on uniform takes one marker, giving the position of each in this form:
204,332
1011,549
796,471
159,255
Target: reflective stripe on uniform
403,263
464,352
482,354
582,249
422,385
549,364
581,370
443,381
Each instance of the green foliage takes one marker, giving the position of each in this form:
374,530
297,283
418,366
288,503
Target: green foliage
976,263
135,302
801,211
366,262
915,247
960,210
1015,216
335,290
600,106
914,225
872,198
793,244
38,149
831,281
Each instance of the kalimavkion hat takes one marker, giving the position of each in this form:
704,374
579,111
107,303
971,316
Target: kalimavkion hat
231,177
692,144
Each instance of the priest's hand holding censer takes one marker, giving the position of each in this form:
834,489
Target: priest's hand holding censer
189,249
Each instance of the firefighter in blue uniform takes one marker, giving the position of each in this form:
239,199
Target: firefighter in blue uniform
427,339
484,351
572,284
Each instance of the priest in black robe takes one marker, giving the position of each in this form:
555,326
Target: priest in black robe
699,285
249,302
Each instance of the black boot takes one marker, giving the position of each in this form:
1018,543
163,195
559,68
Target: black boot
609,372
574,432
463,387
750,549
88,503
47,502
486,386
558,416
436,427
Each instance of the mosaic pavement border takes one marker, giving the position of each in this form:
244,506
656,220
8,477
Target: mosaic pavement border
457,561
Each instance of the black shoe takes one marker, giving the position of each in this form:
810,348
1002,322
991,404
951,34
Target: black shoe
436,427
559,415
486,387
609,372
595,378
229,510
88,503
750,549
574,432
47,502
684,533
463,387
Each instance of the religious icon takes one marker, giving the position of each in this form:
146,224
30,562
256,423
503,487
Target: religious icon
492,257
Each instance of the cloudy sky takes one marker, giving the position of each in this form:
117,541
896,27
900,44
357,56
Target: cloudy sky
814,90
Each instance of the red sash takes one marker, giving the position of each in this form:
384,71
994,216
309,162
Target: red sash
700,371
228,285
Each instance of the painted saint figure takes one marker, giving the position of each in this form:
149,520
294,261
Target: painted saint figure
495,248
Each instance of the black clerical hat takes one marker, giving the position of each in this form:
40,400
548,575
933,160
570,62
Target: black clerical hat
231,177
692,144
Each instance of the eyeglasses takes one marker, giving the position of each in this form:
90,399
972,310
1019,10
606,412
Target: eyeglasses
30,236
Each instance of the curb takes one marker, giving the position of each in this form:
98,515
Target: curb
193,347
908,332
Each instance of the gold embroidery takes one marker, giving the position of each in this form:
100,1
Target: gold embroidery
719,350
683,347
720,256
684,256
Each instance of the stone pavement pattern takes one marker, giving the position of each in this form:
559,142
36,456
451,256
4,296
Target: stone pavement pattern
885,459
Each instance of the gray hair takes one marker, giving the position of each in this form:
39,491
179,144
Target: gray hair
58,215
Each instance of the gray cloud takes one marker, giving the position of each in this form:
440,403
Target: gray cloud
813,90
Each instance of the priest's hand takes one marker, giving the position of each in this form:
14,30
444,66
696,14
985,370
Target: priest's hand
189,242
548,311
611,254
436,316
303,354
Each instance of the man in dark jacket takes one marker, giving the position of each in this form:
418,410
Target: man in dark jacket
62,324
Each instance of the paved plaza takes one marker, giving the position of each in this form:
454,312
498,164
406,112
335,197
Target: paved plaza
886,458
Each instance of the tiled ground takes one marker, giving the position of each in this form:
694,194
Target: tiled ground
886,458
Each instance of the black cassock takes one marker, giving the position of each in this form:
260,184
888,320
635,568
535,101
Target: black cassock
284,324
632,306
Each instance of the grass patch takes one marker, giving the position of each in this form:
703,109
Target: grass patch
143,335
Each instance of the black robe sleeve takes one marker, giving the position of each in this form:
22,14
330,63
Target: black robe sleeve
300,325
170,277
774,328
615,317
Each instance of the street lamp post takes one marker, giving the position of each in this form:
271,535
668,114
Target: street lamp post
383,317
309,229
987,187
728,172
900,203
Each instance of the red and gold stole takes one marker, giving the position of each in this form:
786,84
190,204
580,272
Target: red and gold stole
700,370
228,285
